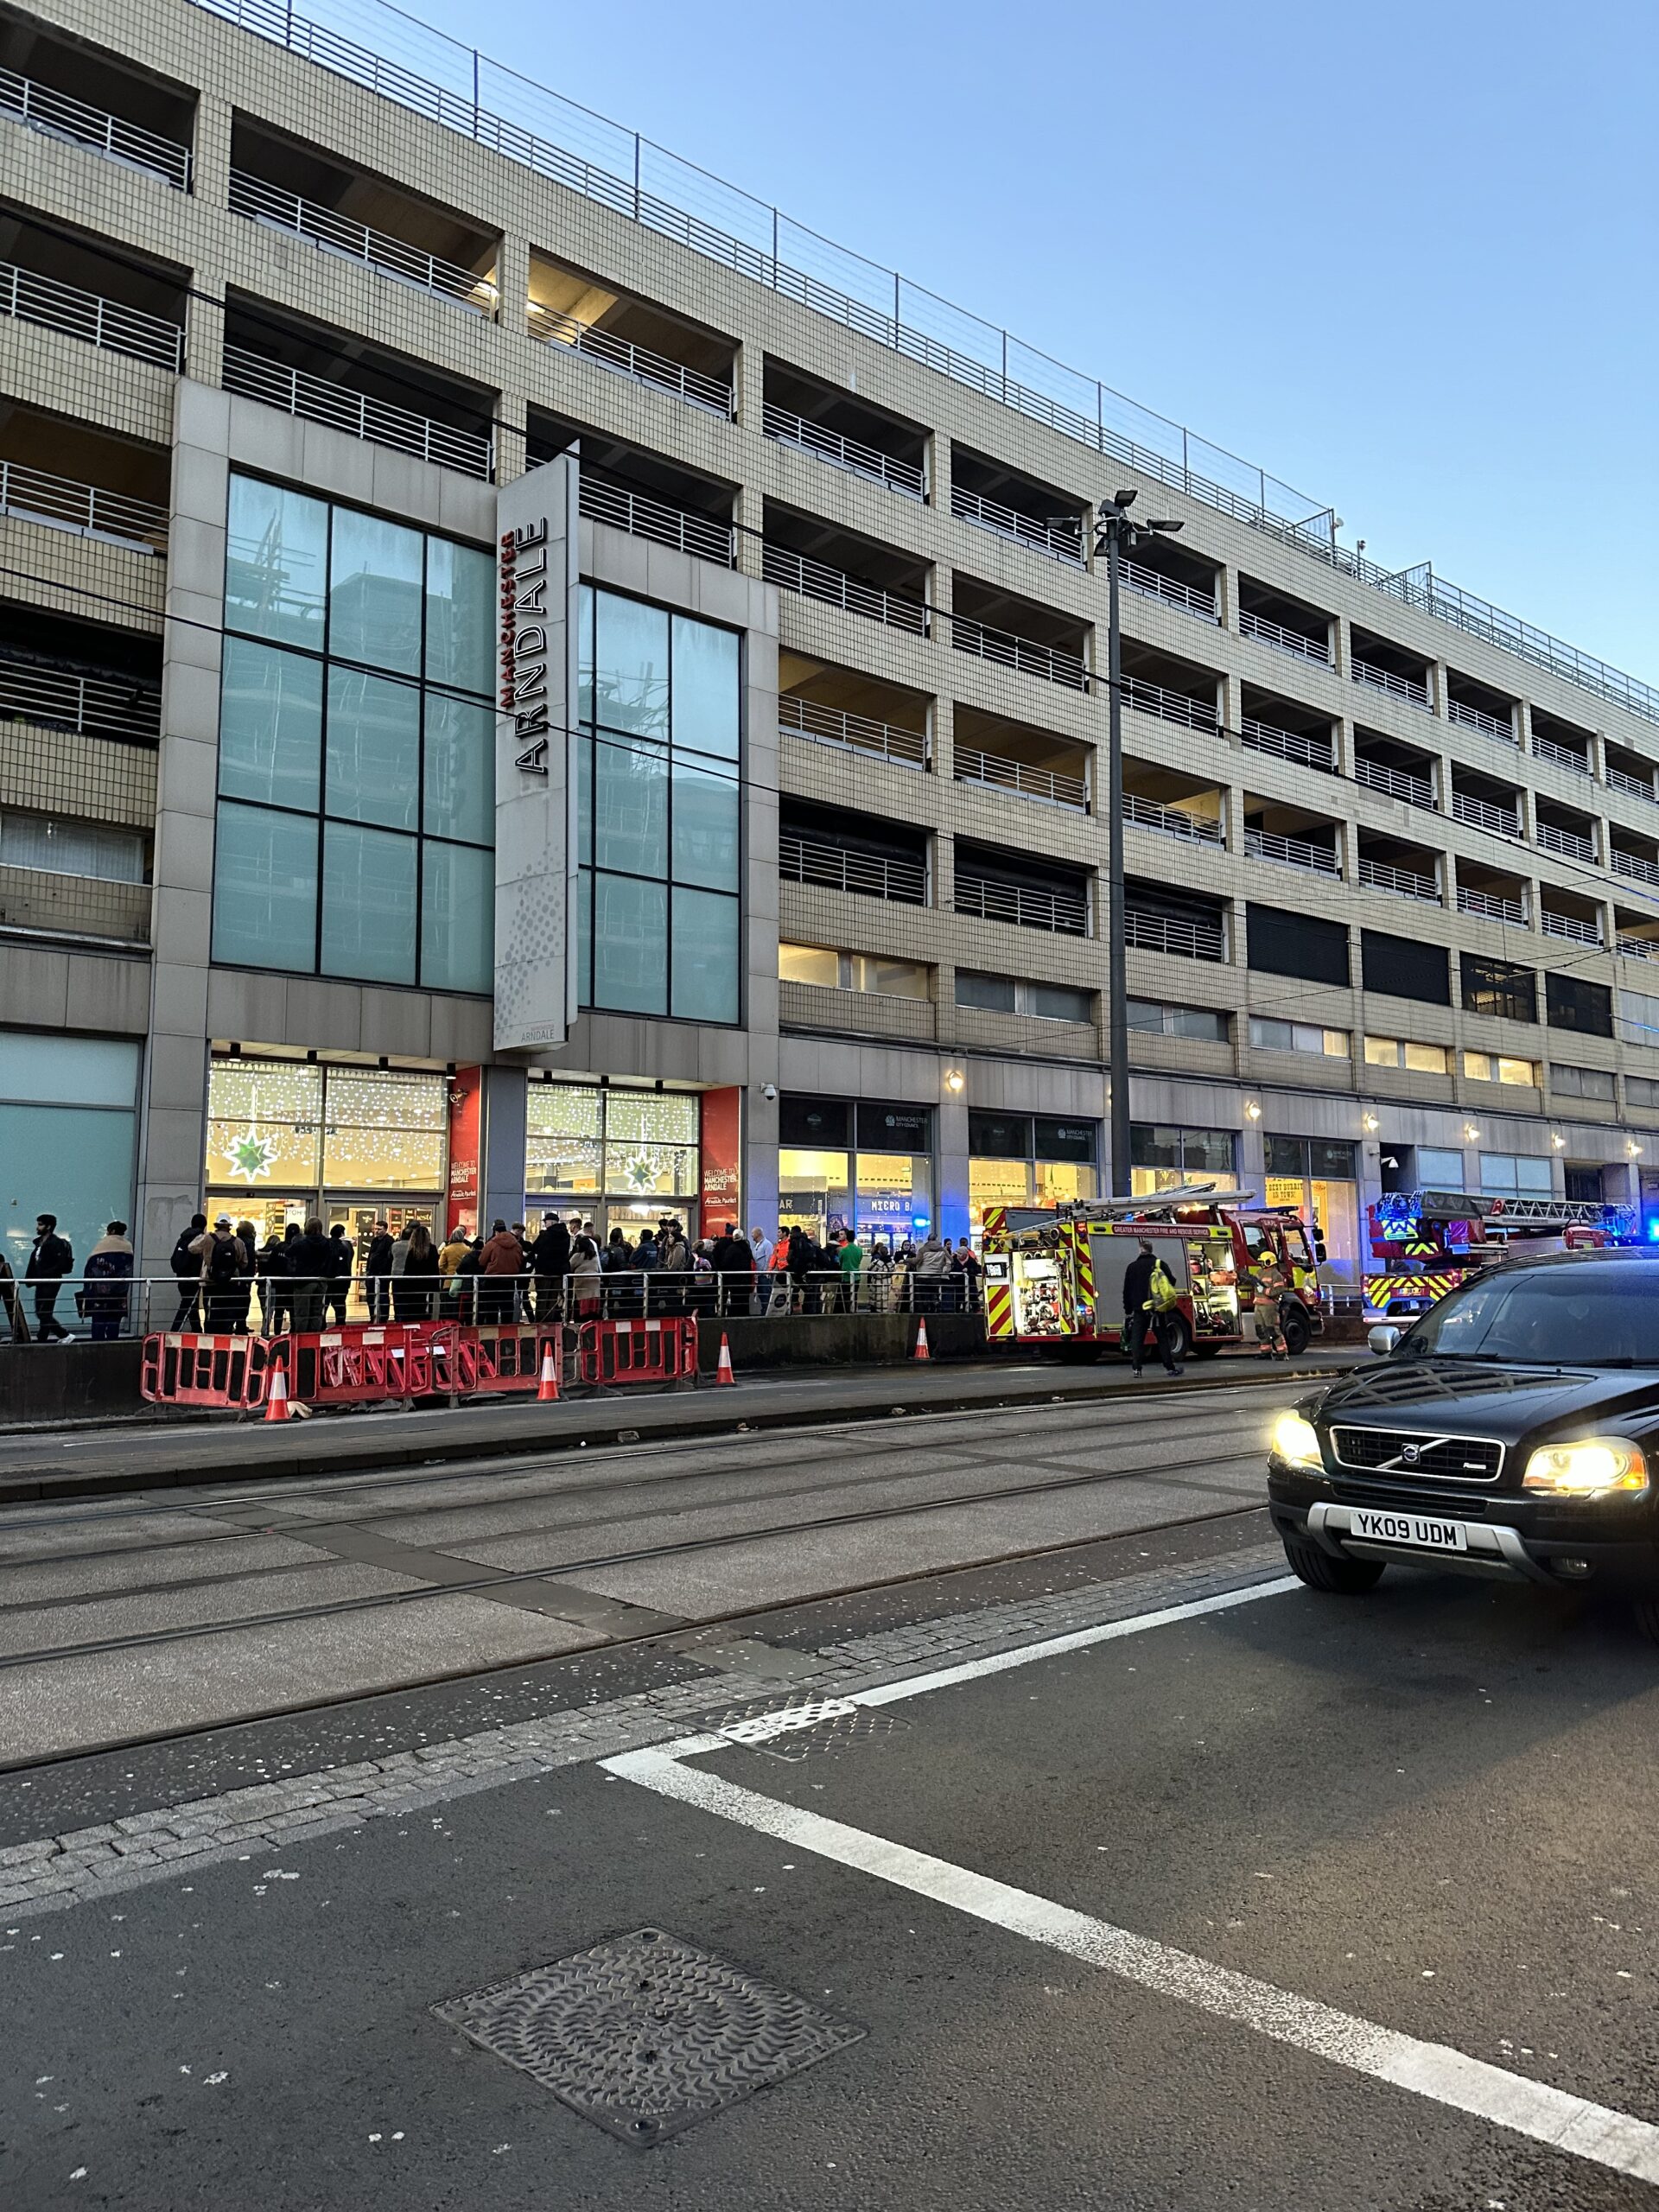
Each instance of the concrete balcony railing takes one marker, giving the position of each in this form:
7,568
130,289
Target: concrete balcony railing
859,1013
1620,779
1633,865
1569,842
851,732
1028,906
1169,706
1492,905
1411,690
659,524
1290,852
1307,750
813,580
33,496
1174,933
1569,926
850,454
95,706
1398,882
1051,663
1498,726
314,400
1396,783
1285,641
1059,539
1167,591
637,362
1172,822
390,256
38,901
836,868
1545,748
1482,814
1052,786
54,113
101,322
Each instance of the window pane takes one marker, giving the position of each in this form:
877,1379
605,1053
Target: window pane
584,654
460,615
1517,1071
630,944
636,1169
1533,1177
630,807
276,563
1144,1013
1059,1002
808,963
705,827
374,749
1426,1059
1439,1171
1477,1066
650,1117
1197,1021
999,1136
705,666
265,889
996,1183
631,666
368,904
38,841
893,979
269,726
265,1120
374,591
996,993
1286,1156
705,956
1208,1151
460,770
812,1190
74,1161
457,917
39,1069
1497,1171
1155,1147
1383,1052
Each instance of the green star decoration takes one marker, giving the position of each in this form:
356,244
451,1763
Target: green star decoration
253,1156
639,1174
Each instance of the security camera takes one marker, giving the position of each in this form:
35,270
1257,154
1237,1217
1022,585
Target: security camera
768,1091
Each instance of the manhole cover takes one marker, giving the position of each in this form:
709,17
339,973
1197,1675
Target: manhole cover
804,1727
645,2035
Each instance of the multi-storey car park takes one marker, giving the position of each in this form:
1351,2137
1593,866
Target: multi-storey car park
285,304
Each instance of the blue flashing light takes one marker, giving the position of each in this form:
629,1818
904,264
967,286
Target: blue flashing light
1653,1230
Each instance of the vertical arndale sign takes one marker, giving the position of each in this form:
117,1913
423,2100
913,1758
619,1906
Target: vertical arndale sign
535,790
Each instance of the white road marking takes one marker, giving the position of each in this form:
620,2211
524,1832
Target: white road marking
1436,2071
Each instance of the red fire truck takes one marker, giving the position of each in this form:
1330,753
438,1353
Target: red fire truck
1055,1275
1426,1242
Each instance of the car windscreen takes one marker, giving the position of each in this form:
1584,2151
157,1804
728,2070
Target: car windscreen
1552,1316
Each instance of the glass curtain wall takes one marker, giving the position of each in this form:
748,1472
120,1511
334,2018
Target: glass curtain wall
68,1117
1318,1177
357,747
619,1157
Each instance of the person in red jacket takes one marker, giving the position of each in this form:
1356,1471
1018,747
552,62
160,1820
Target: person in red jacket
500,1264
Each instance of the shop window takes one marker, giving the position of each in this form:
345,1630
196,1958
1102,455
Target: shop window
1584,1185
1494,1067
1581,1083
1404,1052
1163,1158
384,1129
68,1121
624,1147
1318,1178
1271,1036
1016,1161
264,1124
1202,1022
1439,1171
867,1167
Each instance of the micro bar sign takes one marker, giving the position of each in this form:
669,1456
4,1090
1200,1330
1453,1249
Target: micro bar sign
523,641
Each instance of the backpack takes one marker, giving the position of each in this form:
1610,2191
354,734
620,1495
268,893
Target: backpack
184,1262
221,1261
1164,1294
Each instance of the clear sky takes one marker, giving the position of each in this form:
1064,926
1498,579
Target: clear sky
1401,255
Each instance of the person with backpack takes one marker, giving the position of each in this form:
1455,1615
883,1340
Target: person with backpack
50,1259
222,1263
186,1264
108,1271
1150,1297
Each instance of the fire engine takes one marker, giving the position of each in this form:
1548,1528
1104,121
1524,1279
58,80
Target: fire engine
1426,1242
1054,1275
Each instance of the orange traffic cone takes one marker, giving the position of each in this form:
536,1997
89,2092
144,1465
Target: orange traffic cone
723,1367
922,1351
547,1391
277,1405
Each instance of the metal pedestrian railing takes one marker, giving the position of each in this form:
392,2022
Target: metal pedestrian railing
1290,852
1398,882
798,717
1638,947
1188,938
1482,814
1052,785
1410,689
1150,584
1620,779
1059,538
1569,842
95,706
1564,756
393,256
1396,783
1028,906
32,495
88,315
836,868
375,421
1633,864
779,564
662,525
1173,821
638,362
1052,663
1285,641
1170,705
1570,926
1467,717
45,108
1309,751
850,454
1493,904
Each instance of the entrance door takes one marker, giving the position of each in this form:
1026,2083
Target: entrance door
361,1215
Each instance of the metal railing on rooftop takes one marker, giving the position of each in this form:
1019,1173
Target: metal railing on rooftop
320,227
1189,940
780,564
33,496
1396,783
1410,689
1173,821
375,421
1170,705
1151,583
103,322
855,733
850,454
1052,785
1633,865
1284,641
44,109
1053,663
1290,852
1570,926
601,501
96,706
1568,841
1498,726
1398,882
1309,749
1027,905
1564,756
1061,540
464,91
836,867
1492,904
1504,822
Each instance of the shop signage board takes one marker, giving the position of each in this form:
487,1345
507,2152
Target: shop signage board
538,569
465,1131
720,1186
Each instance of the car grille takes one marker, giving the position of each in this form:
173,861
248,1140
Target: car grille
1399,1451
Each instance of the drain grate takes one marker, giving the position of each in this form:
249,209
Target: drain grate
645,2035
804,1726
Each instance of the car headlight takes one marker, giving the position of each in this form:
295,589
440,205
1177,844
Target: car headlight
1296,1442
1596,1466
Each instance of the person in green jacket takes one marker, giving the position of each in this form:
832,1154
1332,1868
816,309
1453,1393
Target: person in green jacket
851,1263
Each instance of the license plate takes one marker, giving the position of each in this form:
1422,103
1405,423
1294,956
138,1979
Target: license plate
1419,1531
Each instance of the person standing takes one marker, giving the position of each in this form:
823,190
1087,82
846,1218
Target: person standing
646,1256
50,1259
852,1268
1146,1283
248,1237
500,1263
107,1273
970,1268
932,1263
549,1261
415,1291
1270,1286
762,1247
344,1266
377,1269
187,1267
673,1266
272,1271
585,1277
449,1259
309,1260
222,1262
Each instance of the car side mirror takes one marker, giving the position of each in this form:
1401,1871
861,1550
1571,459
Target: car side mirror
1383,1339
1319,1252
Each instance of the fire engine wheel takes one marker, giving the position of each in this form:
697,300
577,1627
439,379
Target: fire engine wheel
1180,1339
1297,1333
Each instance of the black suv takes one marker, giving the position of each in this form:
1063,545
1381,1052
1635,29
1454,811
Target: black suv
1513,1430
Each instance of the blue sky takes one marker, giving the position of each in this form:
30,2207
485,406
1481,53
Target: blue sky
1402,255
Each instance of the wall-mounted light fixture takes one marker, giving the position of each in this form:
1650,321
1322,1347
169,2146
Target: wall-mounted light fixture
1252,1111
1369,1123
1558,1140
1471,1133
1632,1148
953,1078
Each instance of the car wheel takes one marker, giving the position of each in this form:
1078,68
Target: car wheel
1647,1616
1323,1570
1297,1333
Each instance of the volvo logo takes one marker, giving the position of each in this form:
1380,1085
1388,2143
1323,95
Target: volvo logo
1409,1455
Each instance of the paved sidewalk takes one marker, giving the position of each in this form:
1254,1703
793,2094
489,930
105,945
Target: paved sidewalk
55,1464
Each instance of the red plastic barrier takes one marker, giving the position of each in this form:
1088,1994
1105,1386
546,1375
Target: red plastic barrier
507,1356
363,1363
182,1368
638,1352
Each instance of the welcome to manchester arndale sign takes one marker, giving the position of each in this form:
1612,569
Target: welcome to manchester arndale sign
537,563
